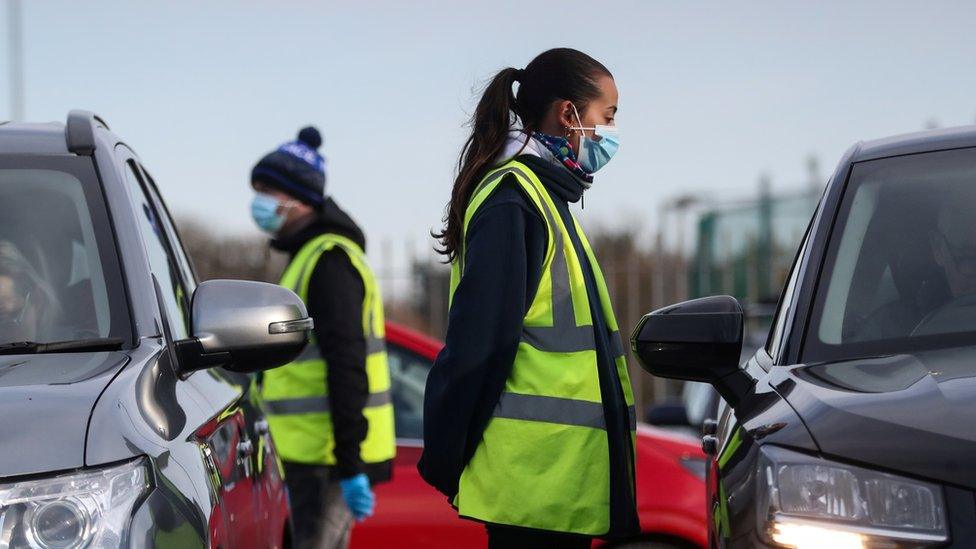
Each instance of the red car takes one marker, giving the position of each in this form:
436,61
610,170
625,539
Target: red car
409,513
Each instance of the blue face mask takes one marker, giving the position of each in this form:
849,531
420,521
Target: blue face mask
596,151
264,211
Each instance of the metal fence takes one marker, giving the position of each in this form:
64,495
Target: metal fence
746,249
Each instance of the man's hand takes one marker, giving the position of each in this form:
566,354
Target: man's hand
358,496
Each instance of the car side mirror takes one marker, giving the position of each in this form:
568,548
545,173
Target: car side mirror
697,340
243,326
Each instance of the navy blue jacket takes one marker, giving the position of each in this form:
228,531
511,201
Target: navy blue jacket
505,247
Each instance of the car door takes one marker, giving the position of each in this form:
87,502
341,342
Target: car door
225,440
270,509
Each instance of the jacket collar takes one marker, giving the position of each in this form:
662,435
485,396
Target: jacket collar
550,170
556,178
330,219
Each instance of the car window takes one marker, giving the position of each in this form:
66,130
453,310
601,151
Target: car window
175,296
778,329
182,260
59,275
408,376
698,400
900,270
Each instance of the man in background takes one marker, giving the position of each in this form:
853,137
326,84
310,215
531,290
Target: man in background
330,412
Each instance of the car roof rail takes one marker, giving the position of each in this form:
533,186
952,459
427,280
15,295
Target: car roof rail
79,133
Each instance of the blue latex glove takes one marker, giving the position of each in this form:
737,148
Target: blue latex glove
358,496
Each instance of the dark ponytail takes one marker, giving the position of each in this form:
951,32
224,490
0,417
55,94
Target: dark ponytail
554,75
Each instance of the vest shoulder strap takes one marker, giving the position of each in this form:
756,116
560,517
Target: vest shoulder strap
299,271
530,184
527,179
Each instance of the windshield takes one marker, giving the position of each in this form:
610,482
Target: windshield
900,273
59,278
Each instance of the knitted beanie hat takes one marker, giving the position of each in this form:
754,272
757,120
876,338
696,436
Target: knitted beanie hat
295,168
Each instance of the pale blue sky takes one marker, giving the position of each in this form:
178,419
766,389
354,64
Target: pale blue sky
711,94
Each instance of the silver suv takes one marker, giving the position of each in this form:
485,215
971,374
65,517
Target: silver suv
129,415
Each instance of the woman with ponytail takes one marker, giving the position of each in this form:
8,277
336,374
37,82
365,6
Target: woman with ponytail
528,417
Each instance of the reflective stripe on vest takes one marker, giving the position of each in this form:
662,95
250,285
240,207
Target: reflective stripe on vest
548,430
306,405
296,394
564,411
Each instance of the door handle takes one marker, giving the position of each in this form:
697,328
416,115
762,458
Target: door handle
245,448
709,445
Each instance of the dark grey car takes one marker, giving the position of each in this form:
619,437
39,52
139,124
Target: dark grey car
854,425
129,415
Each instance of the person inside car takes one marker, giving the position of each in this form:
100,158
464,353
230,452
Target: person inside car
953,242
928,269
934,273
23,297
954,246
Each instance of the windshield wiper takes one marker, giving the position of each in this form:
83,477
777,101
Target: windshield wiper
33,347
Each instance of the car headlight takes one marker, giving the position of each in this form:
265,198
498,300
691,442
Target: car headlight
86,509
810,502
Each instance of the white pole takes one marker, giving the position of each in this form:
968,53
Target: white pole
16,53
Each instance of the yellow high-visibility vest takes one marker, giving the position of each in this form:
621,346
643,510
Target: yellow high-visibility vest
296,394
543,461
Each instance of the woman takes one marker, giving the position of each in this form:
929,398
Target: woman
528,417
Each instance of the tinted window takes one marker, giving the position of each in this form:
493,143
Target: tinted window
408,376
900,272
175,297
59,275
186,268
778,330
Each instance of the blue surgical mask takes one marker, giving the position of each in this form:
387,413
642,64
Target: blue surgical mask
264,211
596,151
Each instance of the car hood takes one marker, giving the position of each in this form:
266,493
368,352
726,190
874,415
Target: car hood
45,402
907,413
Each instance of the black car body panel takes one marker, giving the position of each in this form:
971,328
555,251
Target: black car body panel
866,410
51,394
916,142
766,416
